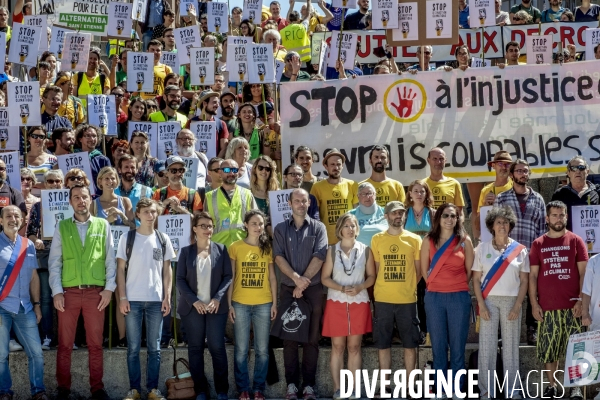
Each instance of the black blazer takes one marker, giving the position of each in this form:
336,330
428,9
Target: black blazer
187,279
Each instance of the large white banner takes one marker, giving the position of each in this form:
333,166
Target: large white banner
545,114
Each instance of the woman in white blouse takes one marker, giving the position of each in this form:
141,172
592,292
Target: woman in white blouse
500,279
347,311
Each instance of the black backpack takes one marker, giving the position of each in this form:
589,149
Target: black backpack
131,240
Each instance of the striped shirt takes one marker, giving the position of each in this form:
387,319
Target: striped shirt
532,223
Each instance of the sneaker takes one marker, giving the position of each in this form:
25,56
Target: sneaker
14,346
531,336
100,394
40,396
337,395
308,393
550,392
155,394
46,343
123,345
258,395
133,394
62,394
75,347
576,394
291,392
244,395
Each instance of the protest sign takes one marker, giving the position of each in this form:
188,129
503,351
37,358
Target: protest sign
77,160
169,58
9,135
24,44
178,228
344,3
261,68
167,136
206,137
140,72
185,6
117,231
76,51
347,41
592,39
279,67
84,15
185,39
102,112
485,233
150,128
385,14
582,362
408,23
57,40
41,21
191,172
482,13
55,207
439,17
252,11
217,16
45,7
138,11
23,100
479,63
539,49
13,171
237,58
119,21
202,65
586,225
279,207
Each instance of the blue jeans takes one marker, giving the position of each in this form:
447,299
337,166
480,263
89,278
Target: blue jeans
448,324
47,305
25,326
151,312
146,37
260,318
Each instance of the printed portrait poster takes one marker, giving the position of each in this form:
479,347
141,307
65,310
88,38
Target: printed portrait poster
586,225
385,14
592,39
13,169
120,22
252,11
344,3
202,65
138,11
55,207
206,137
76,51
102,112
24,44
482,13
485,233
24,103
408,22
539,49
439,17
237,58
479,63
41,21
185,39
9,135
151,129
191,172
279,67
217,16
77,160
347,41
45,6
140,72
178,227
261,65
279,205
118,231
169,58
167,135
57,40
582,361
186,5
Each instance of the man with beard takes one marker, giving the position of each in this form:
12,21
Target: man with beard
527,7
209,104
172,99
443,188
558,261
396,299
186,147
176,198
63,140
386,189
335,195
10,196
134,191
228,205
52,99
228,101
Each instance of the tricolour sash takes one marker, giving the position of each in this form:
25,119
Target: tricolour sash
440,257
13,268
494,274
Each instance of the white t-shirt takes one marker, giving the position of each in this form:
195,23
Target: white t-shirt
509,282
144,280
591,281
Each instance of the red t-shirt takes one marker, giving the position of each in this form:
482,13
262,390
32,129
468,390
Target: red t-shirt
18,17
558,277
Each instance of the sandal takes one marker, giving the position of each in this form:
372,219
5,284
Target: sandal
258,395
244,396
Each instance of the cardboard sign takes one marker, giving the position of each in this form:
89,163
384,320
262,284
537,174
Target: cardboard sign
279,67
13,171
185,39
385,14
55,207
185,6
150,128
41,22
120,22
57,40
9,135
592,39
582,363
140,72
261,66
24,103
76,51
102,112
586,225
217,16
202,65
77,160
408,22
279,206
191,171
252,11
237,58
347,41
178,228
24,44
170,59
138,11
117,231
482,13
479,63
485,233
206,137
344,3
167,136
539,49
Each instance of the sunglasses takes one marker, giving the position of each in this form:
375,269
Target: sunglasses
2,169
451,216
161,174
53,181
229,170
574,168
75,178
294,174
26,179
38,137
118,95
263,168
177,170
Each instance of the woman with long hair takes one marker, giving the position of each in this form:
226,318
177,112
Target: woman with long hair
138,110
252,93
71,108
139,146
203,278
248,130
38,159
28,181
248,29
238,150
263,181
235,21
446,261
117,210
252,302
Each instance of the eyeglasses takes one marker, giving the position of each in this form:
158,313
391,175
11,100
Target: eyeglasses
205,227
229,170
215,170
263,168
516,19
177,170
522,171
574,168
53,181
294,175
38,137
26,179
446,216
75,178
502,164
370,194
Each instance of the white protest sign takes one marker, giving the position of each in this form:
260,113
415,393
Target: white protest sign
150,128
217,16
138,11
185,39
24,103
344,3
482,13
169,58
206,137
237,59
57,40
191,171
13,171
279,67
408,22
202,65
120,22
140,72
187,5
323,56
55,207
41,22
279,207
45,7
118,231
261,68
385,14
485,233
102,112
24,44
77,160
348,42
76,51
439,17
252,11
2,46
586,225
582,362
479,63
539,49
9,135
167,135
592,39
178,228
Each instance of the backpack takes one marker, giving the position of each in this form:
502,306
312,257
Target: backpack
80,79
131,239
190,199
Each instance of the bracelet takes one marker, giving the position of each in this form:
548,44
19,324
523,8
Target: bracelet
343,289
122,298
294,74
37,303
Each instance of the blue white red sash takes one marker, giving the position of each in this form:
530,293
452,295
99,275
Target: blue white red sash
497,270
13,268
440,257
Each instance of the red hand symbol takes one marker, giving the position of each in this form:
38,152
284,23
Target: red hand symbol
406,102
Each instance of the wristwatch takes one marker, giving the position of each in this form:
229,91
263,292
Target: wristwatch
37,303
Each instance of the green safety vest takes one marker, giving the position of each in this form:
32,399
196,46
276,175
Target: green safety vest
229,218
254,143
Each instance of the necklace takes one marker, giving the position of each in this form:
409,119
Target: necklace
418,214
350,270
502,248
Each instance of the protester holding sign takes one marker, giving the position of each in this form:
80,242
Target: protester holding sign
28,181
87,138
71,107
444,188
292,179
176,198
92,81
172,98
139,145
115,209
160,70
9,195
38,160
52,99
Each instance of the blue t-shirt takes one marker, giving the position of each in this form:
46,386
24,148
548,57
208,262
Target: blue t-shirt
551,16
463,17
336,23
135,194
369,224
589,16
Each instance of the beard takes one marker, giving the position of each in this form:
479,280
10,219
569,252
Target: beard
174,105
335,175
227,112
128,176
379,168
213,112
230,181
521,182
185,151
558,227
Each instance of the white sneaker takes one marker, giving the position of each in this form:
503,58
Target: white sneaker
576,394
46,343
598,395
75,347
14,346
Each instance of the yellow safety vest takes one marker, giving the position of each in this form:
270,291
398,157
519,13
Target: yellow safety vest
112,49
8,33
295,38
158,116
228,218
85,88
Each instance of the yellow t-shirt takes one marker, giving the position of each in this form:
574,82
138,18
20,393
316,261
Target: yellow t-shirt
396,281
334,201
496,189
388,190
447,190
251,286
160,72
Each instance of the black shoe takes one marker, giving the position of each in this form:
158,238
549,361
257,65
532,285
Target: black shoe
549,393
100,394
63,394
531,336
164,345
122,343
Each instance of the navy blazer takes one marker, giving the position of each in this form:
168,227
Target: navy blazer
187,279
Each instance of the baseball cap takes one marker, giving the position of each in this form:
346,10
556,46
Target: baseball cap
393,206
174,160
